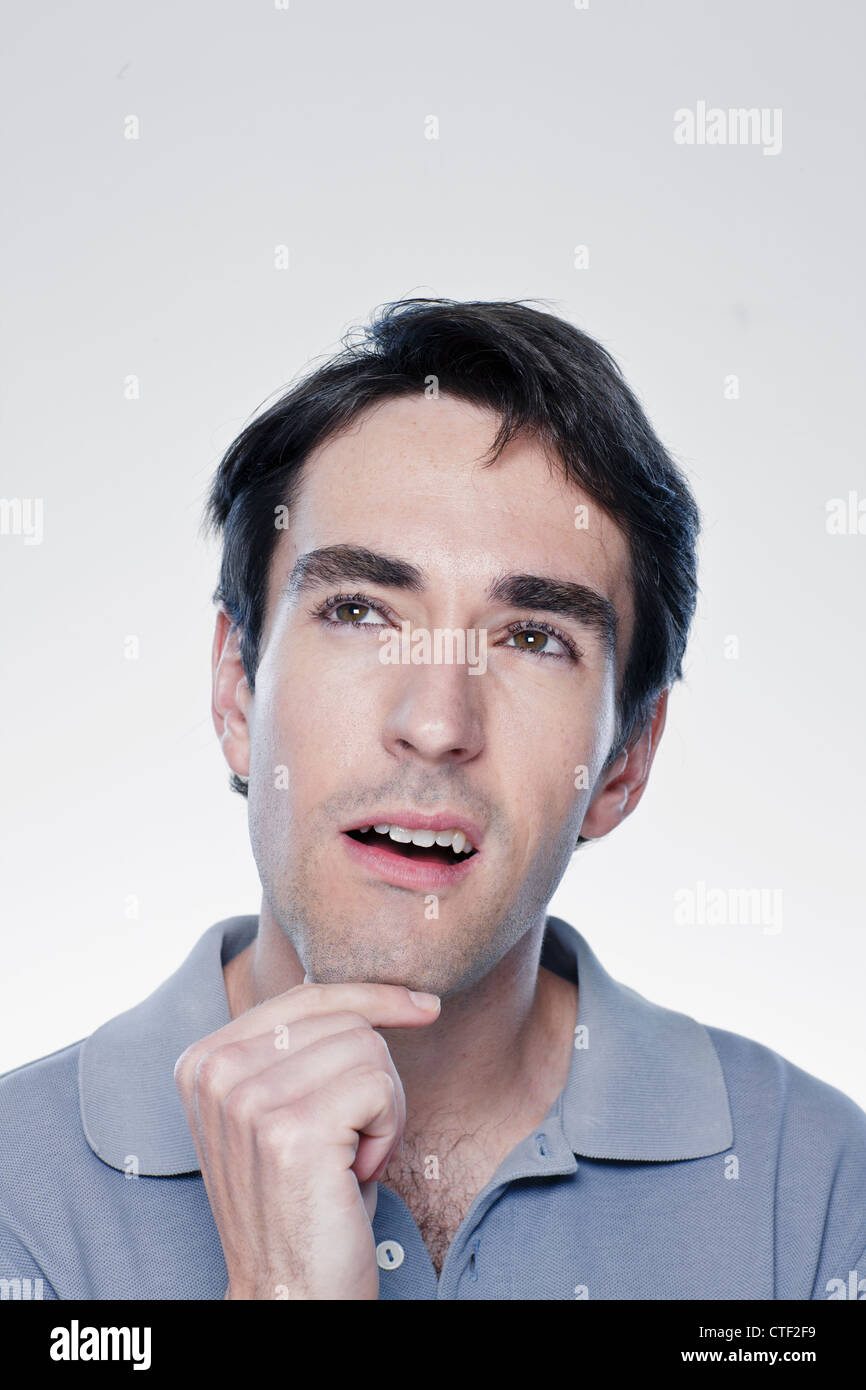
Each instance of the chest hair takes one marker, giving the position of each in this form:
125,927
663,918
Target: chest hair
439,1182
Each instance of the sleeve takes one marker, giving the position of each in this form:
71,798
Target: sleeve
841,1270
846,1279
20,1275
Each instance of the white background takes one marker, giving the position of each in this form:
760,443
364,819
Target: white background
155,257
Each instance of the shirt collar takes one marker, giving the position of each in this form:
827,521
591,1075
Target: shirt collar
645,1083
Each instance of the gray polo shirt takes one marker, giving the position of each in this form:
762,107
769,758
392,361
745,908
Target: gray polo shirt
678,1162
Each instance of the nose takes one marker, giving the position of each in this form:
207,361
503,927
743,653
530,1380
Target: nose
434,714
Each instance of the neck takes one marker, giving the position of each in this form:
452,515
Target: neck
496,1049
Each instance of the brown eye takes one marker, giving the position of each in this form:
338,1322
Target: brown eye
535,641
543,643
357,611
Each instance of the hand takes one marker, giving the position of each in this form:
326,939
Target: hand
296,1108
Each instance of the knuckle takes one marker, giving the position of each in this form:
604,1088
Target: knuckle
182,1070
209,1072
240,1105
186,1067
355,1019
278,1136
376,1046
369,1048
381,1081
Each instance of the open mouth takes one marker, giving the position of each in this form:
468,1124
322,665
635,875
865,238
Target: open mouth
432,854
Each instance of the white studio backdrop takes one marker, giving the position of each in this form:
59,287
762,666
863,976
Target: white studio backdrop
205,197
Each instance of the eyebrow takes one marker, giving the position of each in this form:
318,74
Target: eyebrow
337,564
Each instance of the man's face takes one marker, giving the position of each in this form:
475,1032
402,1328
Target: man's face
339,737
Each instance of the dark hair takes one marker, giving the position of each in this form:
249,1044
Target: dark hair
540,374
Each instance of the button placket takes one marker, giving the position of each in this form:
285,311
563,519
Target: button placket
545,1152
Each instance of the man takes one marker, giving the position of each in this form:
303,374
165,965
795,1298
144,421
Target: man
404,1079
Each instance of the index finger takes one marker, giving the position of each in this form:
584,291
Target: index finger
384,1006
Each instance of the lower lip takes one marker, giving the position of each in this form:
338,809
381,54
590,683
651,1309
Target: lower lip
407,873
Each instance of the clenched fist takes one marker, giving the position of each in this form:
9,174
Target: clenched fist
296,1108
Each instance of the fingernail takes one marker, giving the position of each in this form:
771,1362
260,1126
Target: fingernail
431,1002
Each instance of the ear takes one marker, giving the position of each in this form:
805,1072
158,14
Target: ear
621,787
231,697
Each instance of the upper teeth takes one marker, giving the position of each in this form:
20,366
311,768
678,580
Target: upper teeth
424,838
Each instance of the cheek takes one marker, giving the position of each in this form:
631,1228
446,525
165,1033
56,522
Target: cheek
537,760
549,729
314,721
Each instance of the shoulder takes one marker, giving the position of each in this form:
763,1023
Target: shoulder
40,1125
45,1169
803,1107
35,1096
809,1139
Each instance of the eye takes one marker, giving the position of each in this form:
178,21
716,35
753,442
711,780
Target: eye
354,610
538,639
347,610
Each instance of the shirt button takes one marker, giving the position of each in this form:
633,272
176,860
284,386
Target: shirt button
389,1254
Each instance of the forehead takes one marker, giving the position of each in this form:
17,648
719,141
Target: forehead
405,479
